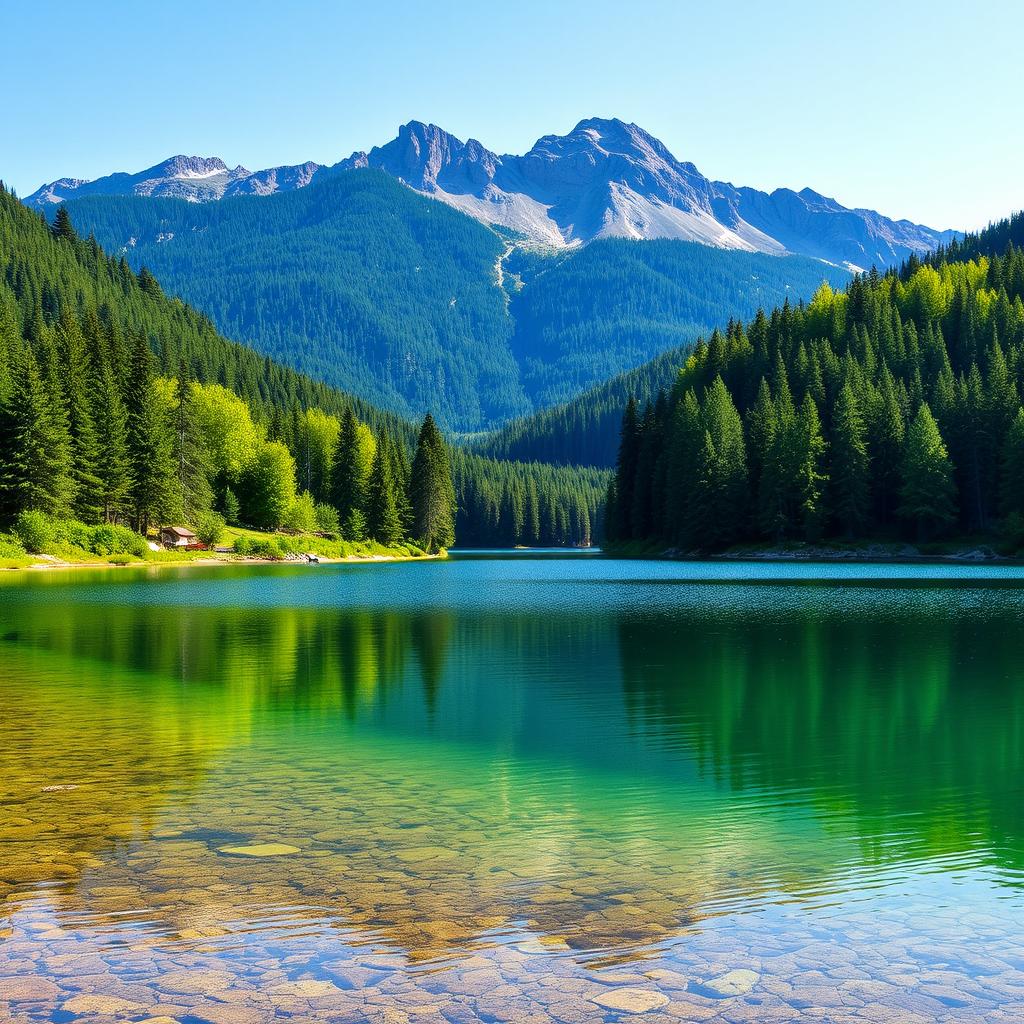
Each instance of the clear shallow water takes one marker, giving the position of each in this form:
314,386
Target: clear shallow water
513,788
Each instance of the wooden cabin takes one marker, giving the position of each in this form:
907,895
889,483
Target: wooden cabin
177,537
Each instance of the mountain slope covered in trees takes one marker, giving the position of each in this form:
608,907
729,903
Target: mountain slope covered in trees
363,283
120,405
891,409
584,431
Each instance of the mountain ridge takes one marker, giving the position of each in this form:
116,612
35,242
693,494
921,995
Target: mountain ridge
604,179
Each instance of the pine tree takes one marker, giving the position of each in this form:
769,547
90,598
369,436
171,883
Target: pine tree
888,433
724,478
760,426
400,475
383,520
78,372
687,435
778,499
810,475
62,227
149,441
431,491
35,465
231,507
51,372
112,466
348,494
192,491
850,468
928,492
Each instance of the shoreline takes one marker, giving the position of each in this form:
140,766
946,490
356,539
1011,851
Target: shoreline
58,565
904,554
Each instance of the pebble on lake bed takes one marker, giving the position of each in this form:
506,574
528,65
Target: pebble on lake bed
735,983
259,850
631,1000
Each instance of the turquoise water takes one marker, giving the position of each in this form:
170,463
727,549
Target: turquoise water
513,787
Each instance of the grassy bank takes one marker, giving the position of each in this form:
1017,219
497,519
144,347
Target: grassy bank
60,544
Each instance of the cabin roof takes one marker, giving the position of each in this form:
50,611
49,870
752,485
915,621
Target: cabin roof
178,531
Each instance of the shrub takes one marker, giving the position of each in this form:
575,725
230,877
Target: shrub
120,559
258,547
327,519
209,528
35,530
10,546
301,514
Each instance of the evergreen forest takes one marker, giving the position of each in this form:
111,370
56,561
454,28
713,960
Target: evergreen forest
122,407
889,410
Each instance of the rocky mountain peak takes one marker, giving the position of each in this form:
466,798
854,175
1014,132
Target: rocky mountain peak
190,167
606,178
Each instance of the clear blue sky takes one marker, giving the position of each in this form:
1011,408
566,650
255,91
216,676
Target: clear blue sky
908,107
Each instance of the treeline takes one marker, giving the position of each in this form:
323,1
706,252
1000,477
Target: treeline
121,405
585,430
527,504
892,409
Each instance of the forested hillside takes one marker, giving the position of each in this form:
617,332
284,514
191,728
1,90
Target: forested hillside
585,430
120,405
889,410
371,287
356,281
613,304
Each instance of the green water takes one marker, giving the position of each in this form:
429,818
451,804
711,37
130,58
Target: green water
513,788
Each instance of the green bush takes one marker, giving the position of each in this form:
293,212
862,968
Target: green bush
327,519
35,530
210,528
10,546
40,532
258,547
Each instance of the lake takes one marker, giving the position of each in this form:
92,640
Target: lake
513,787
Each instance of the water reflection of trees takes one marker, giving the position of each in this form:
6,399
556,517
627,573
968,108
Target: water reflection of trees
555,758
907,727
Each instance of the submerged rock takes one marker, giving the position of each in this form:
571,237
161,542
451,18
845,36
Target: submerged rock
100,1004
259,850
734,983
631,1000
27,990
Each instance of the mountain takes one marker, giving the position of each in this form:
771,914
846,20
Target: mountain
198,179
605,179
410,304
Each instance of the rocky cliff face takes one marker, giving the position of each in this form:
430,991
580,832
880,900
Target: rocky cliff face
605,179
